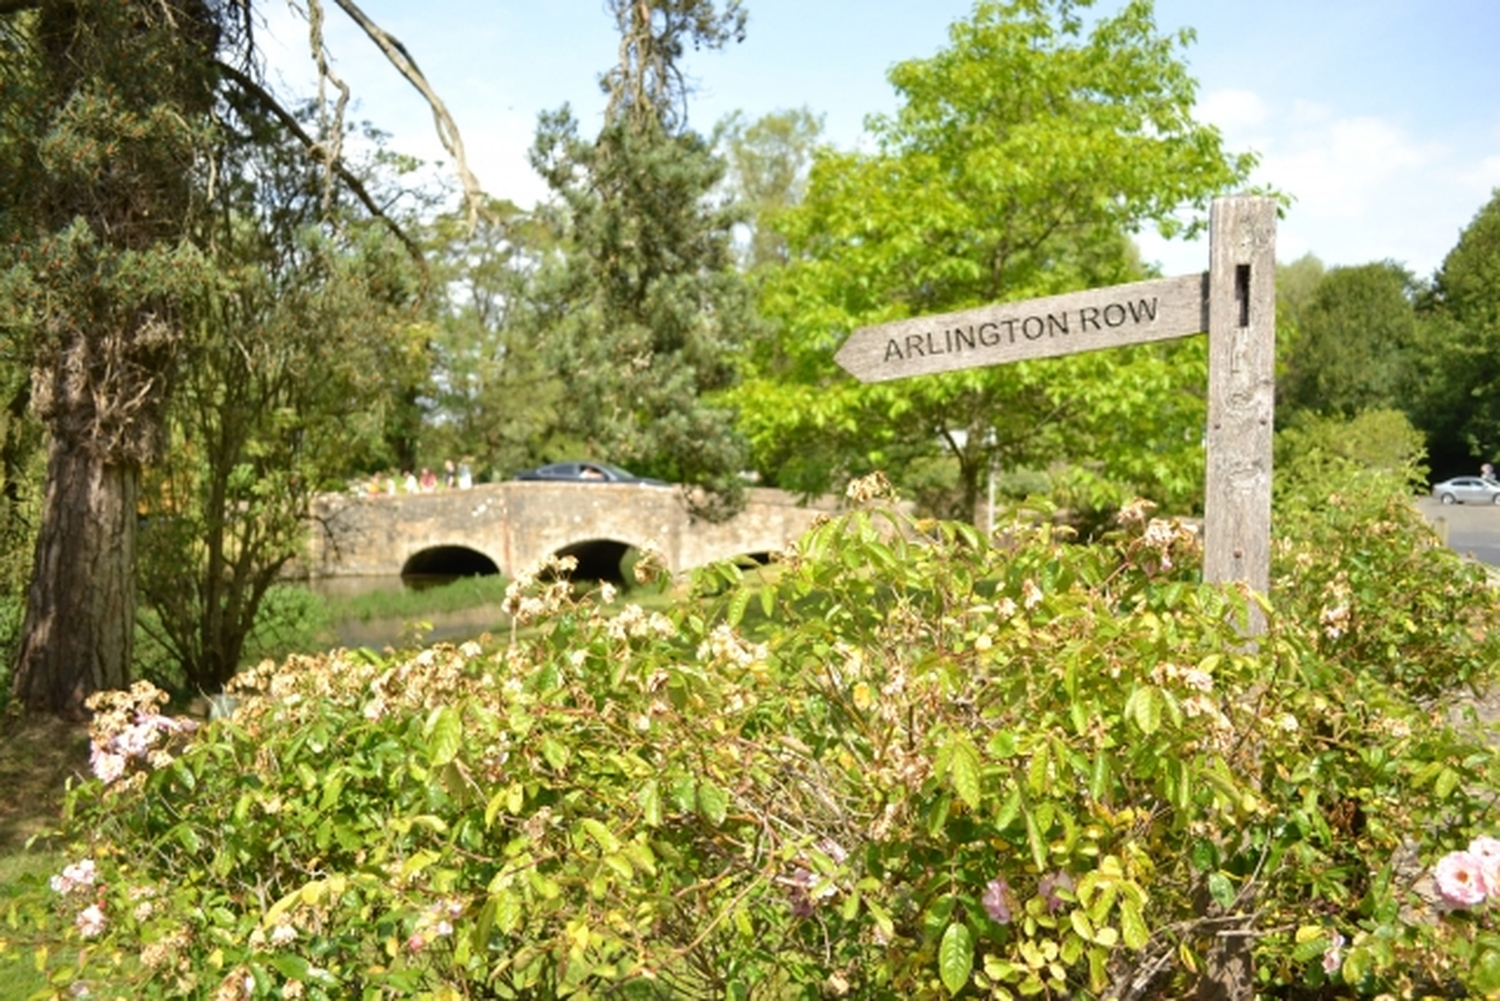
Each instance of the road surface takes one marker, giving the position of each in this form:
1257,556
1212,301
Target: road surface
1473,529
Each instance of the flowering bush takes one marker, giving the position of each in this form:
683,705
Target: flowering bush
906,761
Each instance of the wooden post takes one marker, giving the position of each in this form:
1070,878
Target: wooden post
1235,302
1241,393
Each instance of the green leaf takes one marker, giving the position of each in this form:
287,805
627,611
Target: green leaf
556,753
882,917
685,794
509,909
444,735
601,835
1133,924
1009,811
1221,888
1486,973
1037,779
736,612
956,957
649,800
1036,838
965,769
188,838
291,966
1099,777
419,861
494,806
713,803
1144,707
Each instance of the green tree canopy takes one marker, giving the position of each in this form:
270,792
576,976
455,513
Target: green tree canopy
1355,337
1022,157
1459,402
769,160
495,400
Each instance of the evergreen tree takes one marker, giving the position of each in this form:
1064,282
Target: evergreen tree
113,105
96,263
644,310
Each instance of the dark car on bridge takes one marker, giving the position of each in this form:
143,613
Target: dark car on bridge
585,472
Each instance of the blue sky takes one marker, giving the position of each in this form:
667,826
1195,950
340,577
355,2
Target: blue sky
1380,117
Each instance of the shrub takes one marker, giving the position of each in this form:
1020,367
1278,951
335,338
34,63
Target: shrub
12,612
1358,566
906,761
290,619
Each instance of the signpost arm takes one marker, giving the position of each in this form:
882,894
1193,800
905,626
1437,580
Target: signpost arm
1241,393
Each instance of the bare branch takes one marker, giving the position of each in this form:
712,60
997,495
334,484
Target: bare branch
447,130
353,183
333,131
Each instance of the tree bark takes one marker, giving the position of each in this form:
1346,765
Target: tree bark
80,608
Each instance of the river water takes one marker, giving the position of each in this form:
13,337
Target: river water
378,633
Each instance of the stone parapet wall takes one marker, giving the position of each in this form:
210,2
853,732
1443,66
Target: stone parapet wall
517,524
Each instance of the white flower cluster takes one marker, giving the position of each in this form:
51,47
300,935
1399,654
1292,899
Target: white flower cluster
127,728
1031,594
867,489
726,646
634,623
1334,617
650,563
79,879
435,921
1160,535
1135,512
539,591
1193,678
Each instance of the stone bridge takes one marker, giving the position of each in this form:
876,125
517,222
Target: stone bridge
505,527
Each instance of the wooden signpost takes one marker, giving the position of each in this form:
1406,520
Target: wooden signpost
1234,301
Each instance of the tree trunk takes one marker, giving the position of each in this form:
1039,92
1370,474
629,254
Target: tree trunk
80,608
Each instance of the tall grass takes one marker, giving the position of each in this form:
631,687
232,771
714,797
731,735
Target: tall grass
413,602
23,871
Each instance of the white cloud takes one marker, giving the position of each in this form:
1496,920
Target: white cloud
1345,169
1483,178
1234,111
1364,187
1307,113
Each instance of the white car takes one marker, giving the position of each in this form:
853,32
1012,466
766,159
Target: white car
1467,490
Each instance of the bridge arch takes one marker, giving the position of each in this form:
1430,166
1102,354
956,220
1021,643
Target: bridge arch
598,559
448,561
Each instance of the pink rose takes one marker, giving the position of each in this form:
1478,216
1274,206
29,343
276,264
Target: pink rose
1460,879
1487,850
